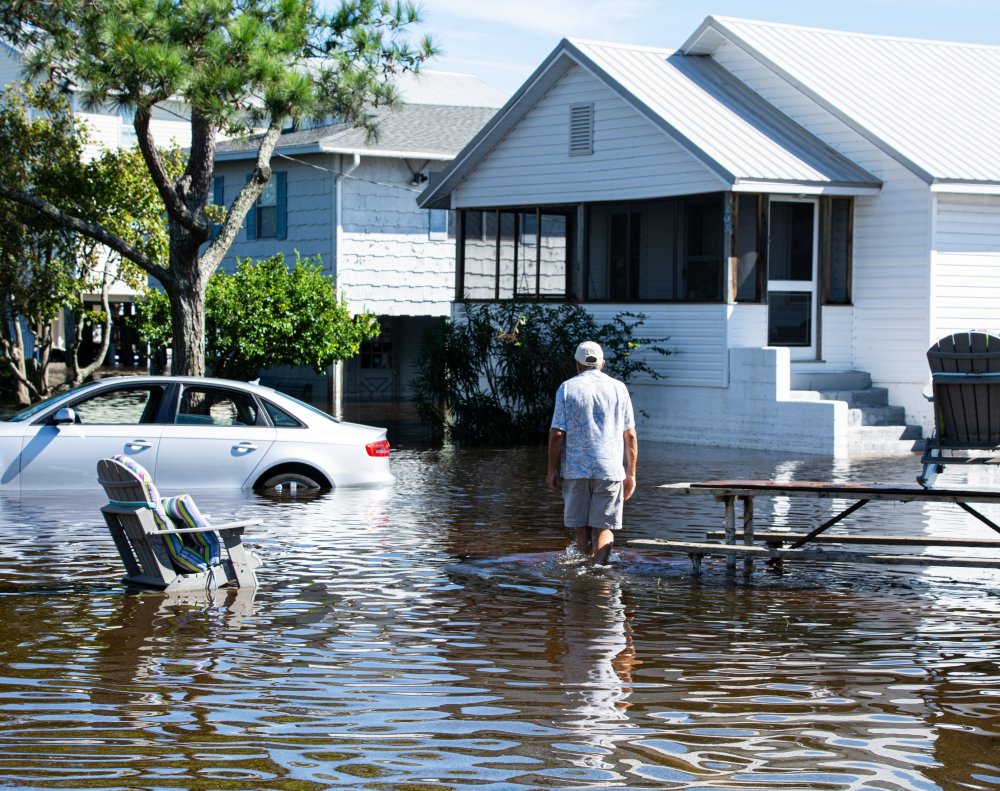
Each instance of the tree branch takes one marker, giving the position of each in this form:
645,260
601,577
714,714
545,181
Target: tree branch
246,199
164,185
88,229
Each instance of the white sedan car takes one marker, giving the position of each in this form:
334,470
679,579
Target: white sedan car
189,433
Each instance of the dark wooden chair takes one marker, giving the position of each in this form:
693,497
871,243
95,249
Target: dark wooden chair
161,552
965,389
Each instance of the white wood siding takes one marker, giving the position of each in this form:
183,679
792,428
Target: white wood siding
632,159
388,262
966,264
695,335
892,238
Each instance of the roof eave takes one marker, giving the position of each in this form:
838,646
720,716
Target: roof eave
793,187
966,187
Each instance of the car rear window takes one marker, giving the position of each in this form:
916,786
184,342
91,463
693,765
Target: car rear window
279,417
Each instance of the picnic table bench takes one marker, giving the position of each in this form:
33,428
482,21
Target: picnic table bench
816,544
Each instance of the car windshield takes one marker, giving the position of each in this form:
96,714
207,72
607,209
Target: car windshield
34,409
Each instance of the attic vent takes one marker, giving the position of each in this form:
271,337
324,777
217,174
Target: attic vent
581,130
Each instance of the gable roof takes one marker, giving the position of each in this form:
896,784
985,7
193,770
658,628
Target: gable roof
723,124
934,106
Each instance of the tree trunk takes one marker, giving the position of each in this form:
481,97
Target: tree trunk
186,288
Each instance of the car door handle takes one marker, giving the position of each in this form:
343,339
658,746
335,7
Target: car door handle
245,447
139,443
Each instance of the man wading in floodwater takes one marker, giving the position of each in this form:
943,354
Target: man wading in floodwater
593,440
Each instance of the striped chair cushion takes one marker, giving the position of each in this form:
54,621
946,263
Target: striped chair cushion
184,513
189,555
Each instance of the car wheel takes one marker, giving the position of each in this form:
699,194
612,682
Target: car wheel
289,483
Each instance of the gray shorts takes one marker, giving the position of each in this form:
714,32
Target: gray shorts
589,502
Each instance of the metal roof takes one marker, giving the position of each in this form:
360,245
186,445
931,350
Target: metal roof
934,106
727,126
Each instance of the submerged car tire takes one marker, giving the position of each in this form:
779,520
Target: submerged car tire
289,482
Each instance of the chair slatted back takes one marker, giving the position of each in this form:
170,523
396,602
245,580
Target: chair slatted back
967,413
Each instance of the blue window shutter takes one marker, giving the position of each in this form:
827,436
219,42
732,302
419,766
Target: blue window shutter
281,188
252,219
218,199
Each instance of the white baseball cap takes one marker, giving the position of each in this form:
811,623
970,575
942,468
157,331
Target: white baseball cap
589,354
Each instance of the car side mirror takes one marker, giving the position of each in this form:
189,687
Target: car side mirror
64,415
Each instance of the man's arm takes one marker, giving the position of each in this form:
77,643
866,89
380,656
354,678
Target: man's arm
556,437
631,457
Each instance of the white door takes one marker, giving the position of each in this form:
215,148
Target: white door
791,276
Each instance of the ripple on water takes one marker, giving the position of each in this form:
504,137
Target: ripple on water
438,634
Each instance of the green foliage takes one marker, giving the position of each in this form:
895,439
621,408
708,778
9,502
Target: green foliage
266,315
492,378
44,267
240,67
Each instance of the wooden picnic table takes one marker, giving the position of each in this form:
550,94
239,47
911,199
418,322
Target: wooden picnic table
776,546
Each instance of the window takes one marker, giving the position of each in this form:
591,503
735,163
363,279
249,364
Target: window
749,244
216,407
836,232
665,250
218,200
268,218
515,254
126,407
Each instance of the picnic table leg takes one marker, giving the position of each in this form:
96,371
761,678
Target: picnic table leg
747,532
730,525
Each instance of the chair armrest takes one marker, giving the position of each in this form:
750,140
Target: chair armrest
213,528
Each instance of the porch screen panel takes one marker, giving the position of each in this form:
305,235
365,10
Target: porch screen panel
599,260
748,253
657,250
527,254
553,255
703,258
839,252
507,261
479,255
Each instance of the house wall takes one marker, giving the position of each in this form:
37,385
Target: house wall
310,212
10,66
891,264
966,264
390,263
632,159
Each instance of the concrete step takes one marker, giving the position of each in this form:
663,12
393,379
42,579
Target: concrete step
831,380
869,396
875,427
877,416
884,440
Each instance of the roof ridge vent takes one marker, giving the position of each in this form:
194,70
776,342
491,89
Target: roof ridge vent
581,129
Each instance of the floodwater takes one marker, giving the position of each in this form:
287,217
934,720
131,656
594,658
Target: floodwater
436,635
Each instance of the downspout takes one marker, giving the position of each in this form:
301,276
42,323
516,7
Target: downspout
337,369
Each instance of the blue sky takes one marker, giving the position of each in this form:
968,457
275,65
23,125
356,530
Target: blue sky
502,41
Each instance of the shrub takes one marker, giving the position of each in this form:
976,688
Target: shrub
491,378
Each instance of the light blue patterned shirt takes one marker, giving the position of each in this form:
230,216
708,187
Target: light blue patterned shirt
594,411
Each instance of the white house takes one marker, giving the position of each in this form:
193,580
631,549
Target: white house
351,200
803,212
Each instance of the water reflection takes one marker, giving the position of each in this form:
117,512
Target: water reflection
438,635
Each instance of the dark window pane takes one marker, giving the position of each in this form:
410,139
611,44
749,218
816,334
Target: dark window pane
267,222
747,250
838,291
790,256
789,315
